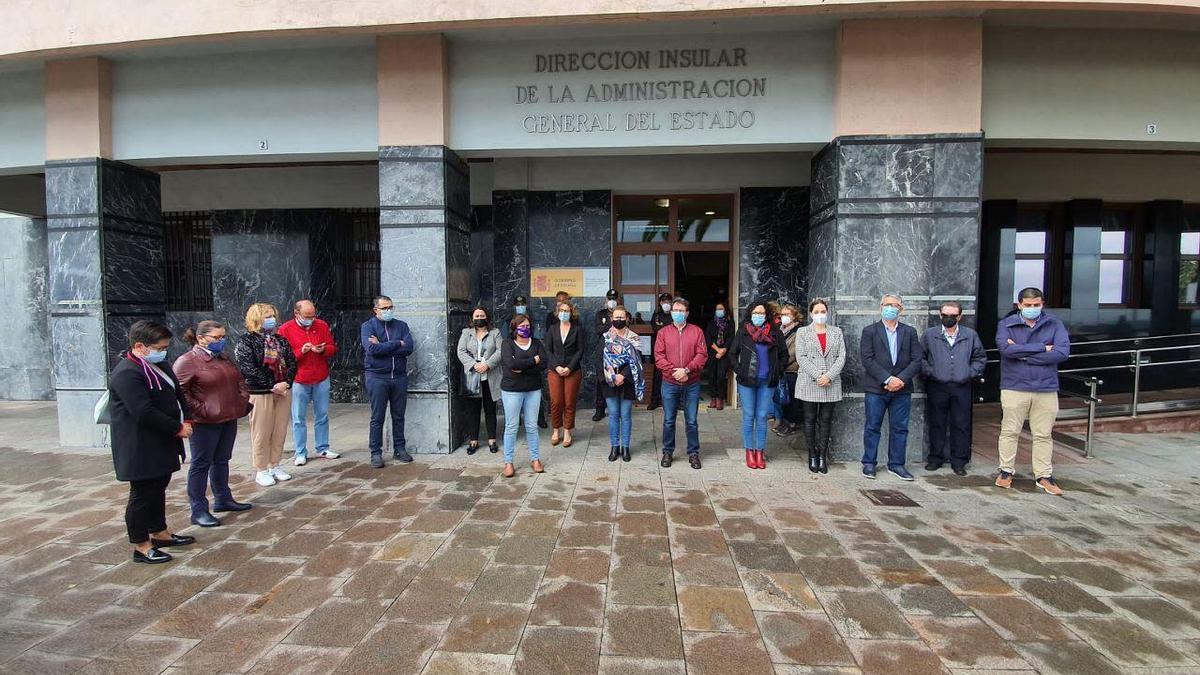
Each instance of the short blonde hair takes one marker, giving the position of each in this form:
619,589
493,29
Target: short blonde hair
255,315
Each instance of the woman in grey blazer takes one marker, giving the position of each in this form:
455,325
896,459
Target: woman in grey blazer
479,352
820,354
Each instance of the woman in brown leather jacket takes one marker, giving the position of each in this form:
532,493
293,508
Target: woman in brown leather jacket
217,397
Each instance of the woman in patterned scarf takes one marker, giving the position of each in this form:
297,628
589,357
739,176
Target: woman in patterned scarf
623,381
269,366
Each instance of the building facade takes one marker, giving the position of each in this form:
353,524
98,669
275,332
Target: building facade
189,163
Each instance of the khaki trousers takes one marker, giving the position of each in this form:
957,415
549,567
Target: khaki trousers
1040,408
269,422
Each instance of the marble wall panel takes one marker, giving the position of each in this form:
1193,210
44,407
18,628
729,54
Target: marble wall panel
482,251
510,218
258,256
25,372
773,242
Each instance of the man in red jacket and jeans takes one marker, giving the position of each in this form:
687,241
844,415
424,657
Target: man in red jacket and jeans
680,353
313,343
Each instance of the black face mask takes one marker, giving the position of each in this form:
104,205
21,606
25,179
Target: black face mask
949,321
479,323
619,323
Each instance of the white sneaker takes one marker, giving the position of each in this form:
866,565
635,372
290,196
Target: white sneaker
328,454
301,460
280,474
264,478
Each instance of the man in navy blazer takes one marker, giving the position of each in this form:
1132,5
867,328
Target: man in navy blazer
891,356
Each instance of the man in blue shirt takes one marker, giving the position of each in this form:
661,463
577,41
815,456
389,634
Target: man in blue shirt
891,358
386,344
954,356
1032,343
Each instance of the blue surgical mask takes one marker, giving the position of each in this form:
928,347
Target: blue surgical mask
304,322
679,317
820,318
889,313
1031,313
758,320
720,313
387,314
564,316
269,323
216,346
156,356
519,309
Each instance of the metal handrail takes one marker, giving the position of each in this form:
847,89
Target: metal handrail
1132,339
1093,385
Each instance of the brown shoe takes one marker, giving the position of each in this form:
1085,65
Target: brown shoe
712,403
720,404
1047,483
567,441
554,438
537,466
1004,480
509,471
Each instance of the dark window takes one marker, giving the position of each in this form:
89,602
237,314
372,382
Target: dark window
356,256
1122,242
1189,260
187,260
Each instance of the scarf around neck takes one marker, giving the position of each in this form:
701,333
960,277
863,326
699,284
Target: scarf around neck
760,336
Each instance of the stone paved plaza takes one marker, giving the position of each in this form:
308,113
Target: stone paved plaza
442,566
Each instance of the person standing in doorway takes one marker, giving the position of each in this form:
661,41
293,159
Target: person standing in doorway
954,356
759,356
601,326
479,353
387,344
891,357
623,383
269,367
680,352
793,413
217,397
564,349
523,358
718,335
660,319
820,355
313,344
1032,343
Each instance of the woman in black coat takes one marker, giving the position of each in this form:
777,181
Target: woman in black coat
758,357
149,422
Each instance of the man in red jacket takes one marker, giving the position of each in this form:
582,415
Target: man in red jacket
680,352
313,343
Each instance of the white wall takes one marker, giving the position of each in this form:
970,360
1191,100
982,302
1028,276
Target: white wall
1117,177
1091,84
304,187
299,101
713,172
22,120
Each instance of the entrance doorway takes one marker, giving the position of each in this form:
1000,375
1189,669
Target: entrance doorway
677,244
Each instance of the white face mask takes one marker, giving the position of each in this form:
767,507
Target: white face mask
612,304
785,320
820,319
666,306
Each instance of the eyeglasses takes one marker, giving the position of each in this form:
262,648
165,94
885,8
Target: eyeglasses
892,304
384,309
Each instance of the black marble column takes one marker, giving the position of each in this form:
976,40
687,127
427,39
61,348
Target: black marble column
510,249
424,220
105,242
893,214
773,245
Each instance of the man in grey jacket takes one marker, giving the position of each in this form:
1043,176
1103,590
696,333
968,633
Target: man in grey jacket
954,356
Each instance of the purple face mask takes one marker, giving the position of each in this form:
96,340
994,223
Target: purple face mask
524,331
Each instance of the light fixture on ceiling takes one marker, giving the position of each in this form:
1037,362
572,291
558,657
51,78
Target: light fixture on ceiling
710,213
662,203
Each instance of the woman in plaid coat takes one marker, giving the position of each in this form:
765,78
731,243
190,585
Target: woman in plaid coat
820,354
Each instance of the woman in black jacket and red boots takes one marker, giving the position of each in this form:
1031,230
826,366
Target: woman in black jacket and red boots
759,357
149,422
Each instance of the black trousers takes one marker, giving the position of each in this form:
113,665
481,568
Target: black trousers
793,410
718,370
949,410
818,425
146,511
474,405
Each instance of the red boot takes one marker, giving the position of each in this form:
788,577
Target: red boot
760,458
720,404
751,459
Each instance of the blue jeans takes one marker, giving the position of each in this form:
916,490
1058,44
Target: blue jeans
688,396
620,420
515,403
897,408
386,392
756,402
212,447
319,395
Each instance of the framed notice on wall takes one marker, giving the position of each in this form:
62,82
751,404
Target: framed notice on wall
580,282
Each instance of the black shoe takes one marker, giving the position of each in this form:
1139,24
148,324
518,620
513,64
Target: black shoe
402,456
666,460
493,448
472,448
786,429
960,471
625,457
652,406
933,466
154,557
823,460
542,424
232,506
598,416
205,520
377,460
814,464
175,540
869,471
614,453
694,460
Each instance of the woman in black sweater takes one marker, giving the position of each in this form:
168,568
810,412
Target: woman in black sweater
522,360
564,348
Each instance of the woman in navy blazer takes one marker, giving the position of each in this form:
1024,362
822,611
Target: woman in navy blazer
891,356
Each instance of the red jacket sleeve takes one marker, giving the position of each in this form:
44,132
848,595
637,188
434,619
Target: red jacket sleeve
699,352
288,331
330,344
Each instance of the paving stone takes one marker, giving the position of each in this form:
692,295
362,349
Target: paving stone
431,521
969,578
300,660
546,502
270,529
649,503
696,540
743,528
1161,617
779,592
518,550
584,565
725,653
536,524
489,628
1017,620
141,654
457,564
337,519
641,585
511,584
967,642
1008,562
1061,597
805,543
769,557
630,665
803,638
379,579
199,617
892,657
237,644
45,663
692,515
555,650
1125,643
392,647
493,511
295,596
462,663
1096,578
477,535
787,517
569,603
77,603
867,615
301,544
338,622
586,536
400,509
931,599
414,547
707,608
224,556
1066,658
930,545
653,551
100,632
429,601
17,635
257,576
832,573
369,532
694,569
591,514
651,632
1045,548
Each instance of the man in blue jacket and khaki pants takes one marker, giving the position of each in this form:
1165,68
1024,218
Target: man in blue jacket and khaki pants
386,343
1032,343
